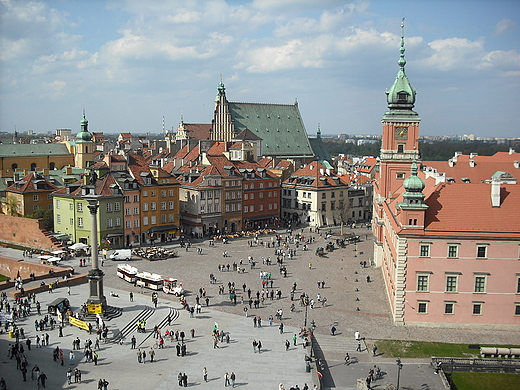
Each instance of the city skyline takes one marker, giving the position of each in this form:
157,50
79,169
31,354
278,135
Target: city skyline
129,63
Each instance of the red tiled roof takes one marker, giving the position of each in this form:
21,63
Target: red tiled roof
198,130
182,152
485,166
466,209
313,170
28,185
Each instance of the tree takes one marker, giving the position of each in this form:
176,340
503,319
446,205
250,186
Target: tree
47,216
342,214
12,206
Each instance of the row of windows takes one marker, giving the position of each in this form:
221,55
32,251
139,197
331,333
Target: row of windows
128,224
449,308
212,208
260,185
251,209
153,206
210,194
110,222
153,219
452,281
453,251
270,194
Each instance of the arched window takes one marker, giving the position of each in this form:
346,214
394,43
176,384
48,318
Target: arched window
52,166
86,149
14,166
33,166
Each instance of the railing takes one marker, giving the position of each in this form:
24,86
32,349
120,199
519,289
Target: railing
477,364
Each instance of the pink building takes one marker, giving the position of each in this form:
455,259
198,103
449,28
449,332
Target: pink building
447,233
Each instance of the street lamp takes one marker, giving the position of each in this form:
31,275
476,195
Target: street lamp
306,303
399,367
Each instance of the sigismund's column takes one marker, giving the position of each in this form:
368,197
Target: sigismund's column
95,275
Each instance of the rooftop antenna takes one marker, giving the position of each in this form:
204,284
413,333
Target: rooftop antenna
163,129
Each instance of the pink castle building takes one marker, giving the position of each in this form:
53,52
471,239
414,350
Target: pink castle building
447,234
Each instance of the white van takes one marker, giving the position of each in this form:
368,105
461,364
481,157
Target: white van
121,254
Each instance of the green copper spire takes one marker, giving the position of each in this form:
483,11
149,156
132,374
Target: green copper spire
220,90
84,135
401,96
413,185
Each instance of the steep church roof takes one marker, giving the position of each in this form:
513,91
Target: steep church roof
279,125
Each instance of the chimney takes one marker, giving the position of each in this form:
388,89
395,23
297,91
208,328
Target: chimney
451,163
516,164
472,163
68,170
511,151
471,155
495,192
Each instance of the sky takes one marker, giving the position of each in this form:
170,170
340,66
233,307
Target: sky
131,63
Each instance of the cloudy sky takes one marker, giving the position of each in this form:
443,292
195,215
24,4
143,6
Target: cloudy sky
129,63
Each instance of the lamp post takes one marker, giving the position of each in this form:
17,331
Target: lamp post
306,308
95,275
399,367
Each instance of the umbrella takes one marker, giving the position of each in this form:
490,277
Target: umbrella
78,245
57,252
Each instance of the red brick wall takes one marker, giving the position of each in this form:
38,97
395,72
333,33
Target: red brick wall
26,232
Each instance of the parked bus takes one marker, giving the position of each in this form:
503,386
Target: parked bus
148,280
127,272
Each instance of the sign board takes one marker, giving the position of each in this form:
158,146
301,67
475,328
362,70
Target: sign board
95,308
80,324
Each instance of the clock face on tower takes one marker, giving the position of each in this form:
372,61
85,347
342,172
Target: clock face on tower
401,133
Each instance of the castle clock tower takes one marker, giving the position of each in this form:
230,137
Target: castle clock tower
399,146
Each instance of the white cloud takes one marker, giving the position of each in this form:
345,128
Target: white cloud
184,17
293,54
57,86
31,29
455,53
504,25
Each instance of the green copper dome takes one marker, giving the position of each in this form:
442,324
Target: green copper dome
84,135
413,183
401,96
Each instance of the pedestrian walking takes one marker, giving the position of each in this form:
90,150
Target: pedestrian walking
259,346
131,296
69,376
333,330
205,374
374,350
232,377
287,345
226,379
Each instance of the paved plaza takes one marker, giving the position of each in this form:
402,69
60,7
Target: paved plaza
352,304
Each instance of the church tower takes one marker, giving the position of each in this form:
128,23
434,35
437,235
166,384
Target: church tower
223,128
399,145
85,147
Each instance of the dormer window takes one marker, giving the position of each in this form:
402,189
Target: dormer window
402,97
